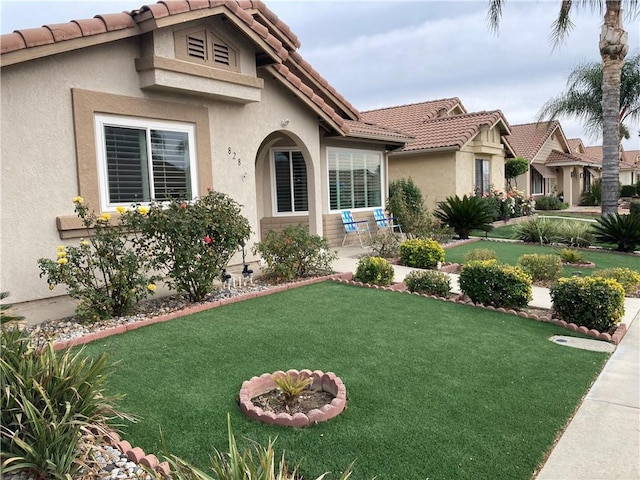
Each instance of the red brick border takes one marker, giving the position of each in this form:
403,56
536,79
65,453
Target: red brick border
327,382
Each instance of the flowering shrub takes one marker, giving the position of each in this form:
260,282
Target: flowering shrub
541,266
629,279
107,273
489,283
193,241
431,282
593,302
505,205
294,253
374,270
480,254
421,253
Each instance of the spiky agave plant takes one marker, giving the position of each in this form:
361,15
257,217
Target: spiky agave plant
465,214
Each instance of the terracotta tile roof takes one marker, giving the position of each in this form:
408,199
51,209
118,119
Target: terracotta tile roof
556,157
362,129
575,145
628,160
446,132
632,157
527,139
408,117
254,14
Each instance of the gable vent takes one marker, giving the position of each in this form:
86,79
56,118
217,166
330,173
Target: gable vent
196,47
221,54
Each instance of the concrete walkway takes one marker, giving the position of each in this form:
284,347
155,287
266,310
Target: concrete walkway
602,440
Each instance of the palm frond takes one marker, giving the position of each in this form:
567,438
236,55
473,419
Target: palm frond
494,14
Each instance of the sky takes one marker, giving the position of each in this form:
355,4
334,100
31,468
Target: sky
386,53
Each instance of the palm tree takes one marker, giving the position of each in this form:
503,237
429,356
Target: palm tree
614,45
583,97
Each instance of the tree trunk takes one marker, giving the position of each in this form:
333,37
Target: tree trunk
613,48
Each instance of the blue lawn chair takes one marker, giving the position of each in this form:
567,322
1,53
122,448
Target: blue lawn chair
352,226
386,222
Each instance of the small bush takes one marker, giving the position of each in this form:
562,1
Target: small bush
634,207
622,230
489,283
433,229
571,256
541,267
407,205
480,254
431,282
593,302
550,203
294,253
629,279
49,400
593,196
465,214
627,190
574,233
385,243
374,270
536,230
421,253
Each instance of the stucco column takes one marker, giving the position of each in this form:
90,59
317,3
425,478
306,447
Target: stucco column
314,180
567,184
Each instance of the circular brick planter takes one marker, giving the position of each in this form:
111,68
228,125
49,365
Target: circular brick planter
327,382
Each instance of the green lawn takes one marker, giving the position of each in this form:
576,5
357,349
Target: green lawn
435,389
509,252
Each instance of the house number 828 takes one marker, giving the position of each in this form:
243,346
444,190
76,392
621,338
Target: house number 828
234,156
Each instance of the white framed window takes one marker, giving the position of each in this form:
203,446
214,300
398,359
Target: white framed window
289,181
141,160
483,177
355,178
537,182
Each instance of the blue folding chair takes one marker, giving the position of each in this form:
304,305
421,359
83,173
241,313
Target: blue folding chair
352,226
386,222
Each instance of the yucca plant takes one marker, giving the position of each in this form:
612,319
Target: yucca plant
568,255
575,233
465,214
536,230
622,230
49,399
292,386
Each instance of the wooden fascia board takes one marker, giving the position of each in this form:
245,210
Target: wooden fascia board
307,101
32,53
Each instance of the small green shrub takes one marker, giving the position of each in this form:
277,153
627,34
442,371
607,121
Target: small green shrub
550,203
374,270
432,228
594,302
571,256
6,315
514,167
541,267
108,273
431,282
575,233
465,214
593,196
292,386
295,253
385,243
627,190
480,254
629,279
622,230
536,230
49,399
421,253
634,207
407,205
489,283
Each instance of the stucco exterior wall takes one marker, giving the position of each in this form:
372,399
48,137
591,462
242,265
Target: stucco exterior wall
39,165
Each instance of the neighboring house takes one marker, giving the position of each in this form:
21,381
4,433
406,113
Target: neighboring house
454,152
628,168
555,168
171,100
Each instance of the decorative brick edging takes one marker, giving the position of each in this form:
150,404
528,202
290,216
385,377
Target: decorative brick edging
134,454
327,382
190,310
616,338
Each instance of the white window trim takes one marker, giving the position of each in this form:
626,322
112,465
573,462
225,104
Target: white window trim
103,120
382,178
274,188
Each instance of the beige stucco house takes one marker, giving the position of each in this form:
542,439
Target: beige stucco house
173,99
555,168
454,152
628,168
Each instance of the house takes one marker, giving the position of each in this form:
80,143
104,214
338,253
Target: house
555,168
454,152
628,168
174,98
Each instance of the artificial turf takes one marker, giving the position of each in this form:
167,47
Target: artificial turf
509,252
435,389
